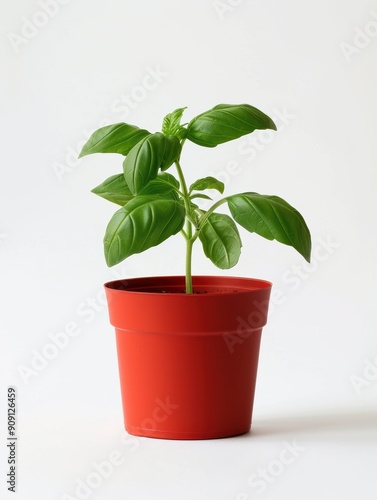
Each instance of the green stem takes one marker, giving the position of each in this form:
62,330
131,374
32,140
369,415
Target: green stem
189,244
203,220
188,231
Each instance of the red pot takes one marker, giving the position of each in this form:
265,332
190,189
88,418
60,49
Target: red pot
188,363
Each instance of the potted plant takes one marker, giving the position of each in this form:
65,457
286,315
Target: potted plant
187,345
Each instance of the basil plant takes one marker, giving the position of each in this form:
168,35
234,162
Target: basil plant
157,203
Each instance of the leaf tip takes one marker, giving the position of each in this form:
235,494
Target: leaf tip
273,126
307,256
84,151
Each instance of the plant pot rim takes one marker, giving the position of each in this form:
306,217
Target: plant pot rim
204,285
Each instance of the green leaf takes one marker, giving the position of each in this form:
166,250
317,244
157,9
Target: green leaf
272,218
144,160
172,124
221,240
145,221
200,195
169,179
117,138
207,183
226,122
164,185
114,189
171,152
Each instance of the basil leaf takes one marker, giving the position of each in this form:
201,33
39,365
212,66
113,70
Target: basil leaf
200,195
117,138
221,240
164,185
171,152
144,160
144,222
207,183
226,122
114,189
172,124
272,218
169,179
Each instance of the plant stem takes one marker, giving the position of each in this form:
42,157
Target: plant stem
208,213
189,244
188,231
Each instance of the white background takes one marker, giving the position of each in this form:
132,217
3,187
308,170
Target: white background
309,65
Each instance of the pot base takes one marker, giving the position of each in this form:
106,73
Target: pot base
184,436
